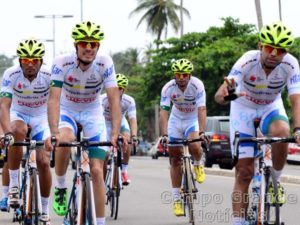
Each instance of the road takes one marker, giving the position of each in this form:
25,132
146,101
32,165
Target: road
147,201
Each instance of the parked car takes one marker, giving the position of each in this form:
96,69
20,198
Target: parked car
293,156
143,148
219,151
157,150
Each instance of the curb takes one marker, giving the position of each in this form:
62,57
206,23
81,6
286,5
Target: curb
230,173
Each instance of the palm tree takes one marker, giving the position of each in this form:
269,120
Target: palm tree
158,15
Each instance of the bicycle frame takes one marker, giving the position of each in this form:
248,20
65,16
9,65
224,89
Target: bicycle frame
82,184
188,184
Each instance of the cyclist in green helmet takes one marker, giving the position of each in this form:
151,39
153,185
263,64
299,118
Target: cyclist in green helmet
77,81
254,85
128,130
187,119
24,95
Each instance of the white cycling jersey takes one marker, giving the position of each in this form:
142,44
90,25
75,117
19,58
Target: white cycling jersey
127,106
262,90
81,89
29,98
185,104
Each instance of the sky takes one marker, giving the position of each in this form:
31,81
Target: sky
18,21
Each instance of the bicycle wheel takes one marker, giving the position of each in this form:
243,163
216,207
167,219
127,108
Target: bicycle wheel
272,209
88,207
73,211
33,213
189,188
117,191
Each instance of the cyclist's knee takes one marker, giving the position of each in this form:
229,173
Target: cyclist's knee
244,175
175,161
97,173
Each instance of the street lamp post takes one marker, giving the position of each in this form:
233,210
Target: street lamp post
53,17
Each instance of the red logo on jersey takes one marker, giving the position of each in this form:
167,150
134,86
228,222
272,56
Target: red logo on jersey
252,78
19,85
70,78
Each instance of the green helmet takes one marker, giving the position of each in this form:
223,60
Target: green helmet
276,34
182,65
122,80
87,30
31,48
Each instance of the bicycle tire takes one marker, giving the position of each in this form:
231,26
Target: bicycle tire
87,208
189,188
34,197
73,210
118,191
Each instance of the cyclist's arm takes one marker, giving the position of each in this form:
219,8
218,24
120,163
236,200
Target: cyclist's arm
115,110
5,104
221,93
53,109
163,121
133,126
295,104
202,118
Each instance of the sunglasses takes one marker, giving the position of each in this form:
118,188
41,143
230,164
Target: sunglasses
86,44
270,49
184,75
33,61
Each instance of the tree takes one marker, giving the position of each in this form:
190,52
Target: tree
5,62
159,15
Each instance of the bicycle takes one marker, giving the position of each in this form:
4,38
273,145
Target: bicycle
263,210
113,179
81,206
188,184
30,208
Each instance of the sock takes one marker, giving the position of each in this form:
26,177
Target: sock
100,220
238,221
4,191
61,182
124,167
197,163
277,174
13,178
176,194
45,205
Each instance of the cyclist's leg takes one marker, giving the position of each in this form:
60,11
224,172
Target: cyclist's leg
40,131
94,127
276,123
241,119
175,152
125,131
19,130
67,129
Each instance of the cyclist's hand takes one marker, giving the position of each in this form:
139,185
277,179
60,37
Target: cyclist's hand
52,141
164,141
114,140
297,135
232,94
204,137
135,140
7,140
123,141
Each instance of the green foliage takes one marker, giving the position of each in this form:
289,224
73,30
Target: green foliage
5,63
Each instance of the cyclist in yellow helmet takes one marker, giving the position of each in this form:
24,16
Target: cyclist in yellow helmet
77,81
24,95
261,76
187,119
128,130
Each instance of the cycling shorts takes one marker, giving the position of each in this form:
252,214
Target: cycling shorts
123,129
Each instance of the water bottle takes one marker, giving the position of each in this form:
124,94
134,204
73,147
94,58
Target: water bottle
256,180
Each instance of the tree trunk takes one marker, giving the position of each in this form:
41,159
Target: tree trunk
258,14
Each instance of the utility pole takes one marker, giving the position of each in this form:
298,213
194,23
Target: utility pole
279,7
259,14
181,18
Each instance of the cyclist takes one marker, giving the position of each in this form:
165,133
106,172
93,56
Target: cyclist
187,120
261,75
24,94
5,183
77,81
127,107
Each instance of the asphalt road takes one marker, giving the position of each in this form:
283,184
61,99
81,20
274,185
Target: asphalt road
148,201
